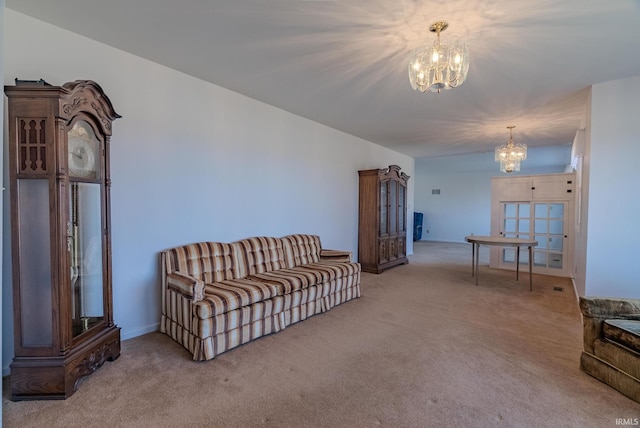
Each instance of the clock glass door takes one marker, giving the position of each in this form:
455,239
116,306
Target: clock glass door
85,229
86,256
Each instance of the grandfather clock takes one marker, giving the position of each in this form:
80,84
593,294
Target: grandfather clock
60,236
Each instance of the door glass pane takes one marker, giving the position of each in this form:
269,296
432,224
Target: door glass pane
556,210
509,225
540,210
555,260
86,256
555,227
540,226
35,262
523,226
524,210
509,255
542,241
555,243
510,210
539,258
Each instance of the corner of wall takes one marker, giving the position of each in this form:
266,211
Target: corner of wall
5,370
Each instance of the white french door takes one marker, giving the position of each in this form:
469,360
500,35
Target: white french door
546,222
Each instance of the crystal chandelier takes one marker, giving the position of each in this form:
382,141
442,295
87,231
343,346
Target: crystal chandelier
439,66
510,155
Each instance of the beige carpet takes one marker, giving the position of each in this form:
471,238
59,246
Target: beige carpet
423,347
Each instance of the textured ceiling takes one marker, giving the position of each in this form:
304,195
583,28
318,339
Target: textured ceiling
343,63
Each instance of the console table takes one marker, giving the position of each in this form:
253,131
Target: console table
501,241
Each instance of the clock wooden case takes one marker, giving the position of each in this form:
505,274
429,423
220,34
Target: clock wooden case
60,236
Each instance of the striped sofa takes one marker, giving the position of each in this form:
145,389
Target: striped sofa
217,296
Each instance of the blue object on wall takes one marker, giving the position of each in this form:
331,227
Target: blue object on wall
417,226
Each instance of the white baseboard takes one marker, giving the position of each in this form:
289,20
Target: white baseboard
130,334
442,240
575,291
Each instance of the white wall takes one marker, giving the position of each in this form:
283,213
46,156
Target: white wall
612,251
192,161
464,203
581,158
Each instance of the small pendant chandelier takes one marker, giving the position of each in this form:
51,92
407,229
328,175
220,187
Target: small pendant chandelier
510,155
439,66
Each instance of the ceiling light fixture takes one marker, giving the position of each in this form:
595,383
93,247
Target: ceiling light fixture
510,155
439,66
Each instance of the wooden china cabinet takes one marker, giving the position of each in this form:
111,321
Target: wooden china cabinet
60,236
382,219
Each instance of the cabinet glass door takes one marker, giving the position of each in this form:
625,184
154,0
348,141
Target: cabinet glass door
401,211
85,232
546,222
516,223
384,207
393,207
549,232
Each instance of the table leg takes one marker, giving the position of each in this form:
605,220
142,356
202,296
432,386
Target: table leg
517,261
473,257
530,268
477,260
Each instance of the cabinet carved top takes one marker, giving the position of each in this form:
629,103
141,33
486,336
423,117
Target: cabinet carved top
393,171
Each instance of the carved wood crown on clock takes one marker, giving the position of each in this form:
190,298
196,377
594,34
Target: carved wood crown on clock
80,95
87,92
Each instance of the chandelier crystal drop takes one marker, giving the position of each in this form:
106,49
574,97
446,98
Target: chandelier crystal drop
510,155
440,66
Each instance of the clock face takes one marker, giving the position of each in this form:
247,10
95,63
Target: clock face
83,151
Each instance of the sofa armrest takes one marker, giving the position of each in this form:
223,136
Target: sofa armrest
597,309
335,255
186,285
610,308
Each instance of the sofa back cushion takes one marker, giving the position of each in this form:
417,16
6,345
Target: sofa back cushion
302,249
208,261
258,255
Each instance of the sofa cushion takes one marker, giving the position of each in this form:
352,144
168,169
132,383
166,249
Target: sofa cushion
303,276
208,261
259,254
330,270
302,249
624,332
286,280
223,296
